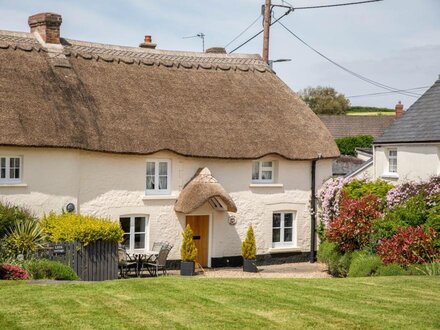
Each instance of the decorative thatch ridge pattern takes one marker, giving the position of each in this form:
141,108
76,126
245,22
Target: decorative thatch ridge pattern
199,190
130,100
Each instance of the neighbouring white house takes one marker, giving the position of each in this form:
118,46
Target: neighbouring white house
157,139
410,148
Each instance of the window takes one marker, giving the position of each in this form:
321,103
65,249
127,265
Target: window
283,229
158,177
392,160
135,233
262,171
10,169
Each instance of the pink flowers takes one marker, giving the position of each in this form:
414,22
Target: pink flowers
328,197
401,193
12,272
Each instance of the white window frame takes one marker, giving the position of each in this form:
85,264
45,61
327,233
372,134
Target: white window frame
156,190
7,179
262,168
146,232
282,243
390,158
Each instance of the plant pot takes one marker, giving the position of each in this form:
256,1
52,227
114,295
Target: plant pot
187,268
250,266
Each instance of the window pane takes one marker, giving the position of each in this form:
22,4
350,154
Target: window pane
163,182
3,162
266,175
126,241
163,168
125,224
139,241
393,153
255,170
288,219
288,235
276,220
267,164
139,224
150,181
276,235
151,167
3,173
17,173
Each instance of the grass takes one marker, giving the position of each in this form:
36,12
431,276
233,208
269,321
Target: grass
174,302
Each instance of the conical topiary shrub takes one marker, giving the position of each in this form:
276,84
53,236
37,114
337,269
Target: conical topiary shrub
249,251
188,252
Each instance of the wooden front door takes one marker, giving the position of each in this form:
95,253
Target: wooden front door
200,227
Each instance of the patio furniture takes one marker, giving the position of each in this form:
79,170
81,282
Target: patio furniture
157,261
125,263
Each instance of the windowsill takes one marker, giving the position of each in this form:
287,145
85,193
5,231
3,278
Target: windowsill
266,185
159,197
12,185
389,175
285,249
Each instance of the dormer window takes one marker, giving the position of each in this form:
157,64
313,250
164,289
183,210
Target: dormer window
10,169
263,171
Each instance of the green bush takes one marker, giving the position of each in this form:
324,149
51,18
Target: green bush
359,188
40,269
25,238
391,270
248,247
433,215
363,264
413,212
369,109
386,228
70,227
10,215
347,145
337,263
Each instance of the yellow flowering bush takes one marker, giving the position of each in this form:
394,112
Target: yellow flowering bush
69,227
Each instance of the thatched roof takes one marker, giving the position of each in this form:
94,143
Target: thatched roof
139,101
202,188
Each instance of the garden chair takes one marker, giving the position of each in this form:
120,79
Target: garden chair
125,262
159,262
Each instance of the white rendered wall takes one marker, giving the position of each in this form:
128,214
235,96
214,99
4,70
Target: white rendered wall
108,185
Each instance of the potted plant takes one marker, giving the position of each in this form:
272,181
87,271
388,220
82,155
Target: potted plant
188,253
249,252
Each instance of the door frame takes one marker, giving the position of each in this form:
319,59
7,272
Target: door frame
209,232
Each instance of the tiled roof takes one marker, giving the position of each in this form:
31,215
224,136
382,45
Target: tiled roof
421,123
342,126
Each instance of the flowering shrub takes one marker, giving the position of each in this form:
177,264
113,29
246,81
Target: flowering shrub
12,272
328,198
351,230
409,245
401,193
357,188
69,227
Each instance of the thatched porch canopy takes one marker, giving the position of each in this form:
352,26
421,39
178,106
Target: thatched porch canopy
202,188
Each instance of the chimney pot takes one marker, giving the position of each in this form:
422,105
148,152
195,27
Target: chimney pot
148,43
47,25
399,109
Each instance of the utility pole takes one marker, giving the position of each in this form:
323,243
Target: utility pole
266,26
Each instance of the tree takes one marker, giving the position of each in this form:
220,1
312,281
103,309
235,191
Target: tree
188,251
248,247
325,100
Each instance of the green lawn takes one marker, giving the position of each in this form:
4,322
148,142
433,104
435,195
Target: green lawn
174,302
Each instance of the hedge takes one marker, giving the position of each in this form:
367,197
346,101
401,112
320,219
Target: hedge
347,145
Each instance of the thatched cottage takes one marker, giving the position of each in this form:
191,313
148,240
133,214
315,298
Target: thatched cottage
156,139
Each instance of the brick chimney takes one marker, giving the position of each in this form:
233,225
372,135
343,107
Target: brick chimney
147,43
399,109
47,25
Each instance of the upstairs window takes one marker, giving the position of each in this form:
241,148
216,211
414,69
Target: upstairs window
10,169
158,177
283,229
392,160
262,171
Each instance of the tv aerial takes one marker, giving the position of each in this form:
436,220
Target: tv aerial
200,35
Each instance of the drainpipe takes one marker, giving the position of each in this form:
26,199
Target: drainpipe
313,211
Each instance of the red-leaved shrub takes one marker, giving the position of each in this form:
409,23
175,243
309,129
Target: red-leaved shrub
410,245
12,272
351,230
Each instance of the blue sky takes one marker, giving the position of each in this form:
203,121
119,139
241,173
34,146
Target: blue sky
395,42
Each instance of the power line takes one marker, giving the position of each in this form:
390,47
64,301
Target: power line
256,35
382,93
331,5
244,31
370,81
